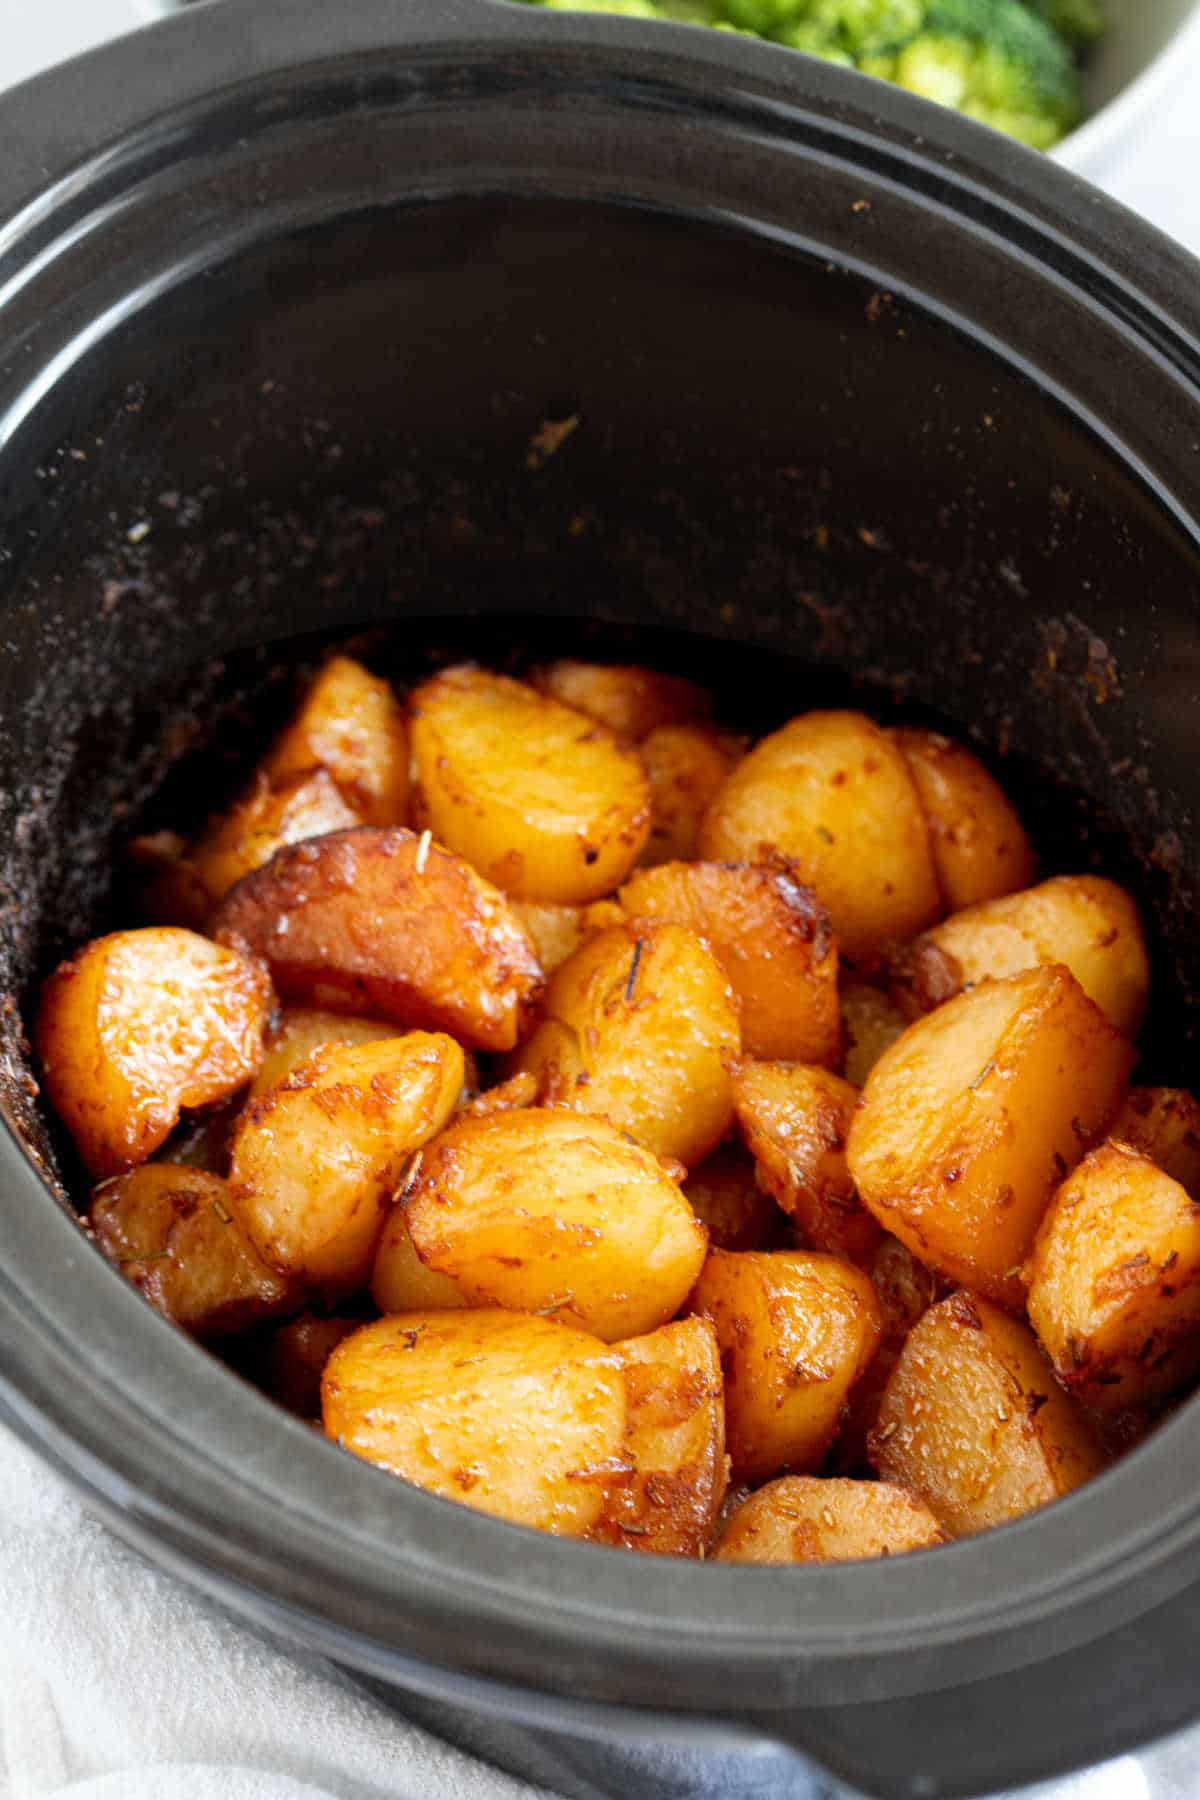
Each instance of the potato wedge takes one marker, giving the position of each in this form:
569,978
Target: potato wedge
294,1360
1164,1124
973,1118
141,1024
686,765
1088,924
541,800
266,819
545,1210
299,1030
517,1416
797,1330
871,1023
974,1423
1114,1281
795,1121
674,1442
802,1519
351,725
631,701
316,1161
979,845
388,924
726,1198
641,1025
773,939
832,792
172,1233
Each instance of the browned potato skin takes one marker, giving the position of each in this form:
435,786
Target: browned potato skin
141,1024
797,1330
173,1233
295,1360
686,766
517,1416
972,1119
641,1025
546,1209
266,819
979,845
726,1198
507,1096
484,746
352,725
631,701
388,924
674,1442
299,1030
974,1423
833,793
796,1121
400,1281
1114,1281
773,939
1163,1124
905,1290
802,1519
871,1023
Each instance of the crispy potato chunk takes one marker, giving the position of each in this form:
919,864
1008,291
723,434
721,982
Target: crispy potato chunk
400,1282
543,801
1164,1124
686,765
674,1440
140,1025
317,1160
802,1519
979,845
832,792
518,1416
970,1121
773,939
974,1423
264,820
795,1121
172,1233
295,1358
507,1096
389,924
726,1198
905,1290
352,725
871,1022
547,1209
642,1026
1114,1281
1088,924
797,1330
300,1030
632,702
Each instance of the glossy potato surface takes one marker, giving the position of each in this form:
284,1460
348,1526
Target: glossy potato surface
266,819
517,1416
686,765
400,1281
539,798
631,701
1164,1124
796,1120
802,1519
140,1025
725,1196
351,725
979,845
299,1030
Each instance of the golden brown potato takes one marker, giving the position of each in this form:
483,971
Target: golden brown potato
316,1160
726,1198
797,1329
686,765
1088,924
140,1025
299,1030
264,820
871,1023
632,702
294,1361
970,1121
905,1290
389,924
1114,1281
172,1232
832,792
802,1519
674,1443
642,1026
979,845
540,799
795,1121
400,1282
1164,1124
974,1423
546,1210
772,938
518,1416
352,725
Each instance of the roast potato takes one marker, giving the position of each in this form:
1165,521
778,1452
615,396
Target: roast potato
905,1290
544,1210
518,1416
294,1360
266,819
795,1121
317,1159
979,845
796,1329
972,1119
400,1281
388,924
631,701
832,792
801,1519
519,1090
351,725
1164,1124
299,1030
641,1025
974,1423
686,765
773,940
540,799
871,1023
725,1196
140,1025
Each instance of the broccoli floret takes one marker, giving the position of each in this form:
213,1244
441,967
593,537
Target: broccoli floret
1081,23
842,29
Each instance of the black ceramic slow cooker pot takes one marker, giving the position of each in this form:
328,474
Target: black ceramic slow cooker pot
861,394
